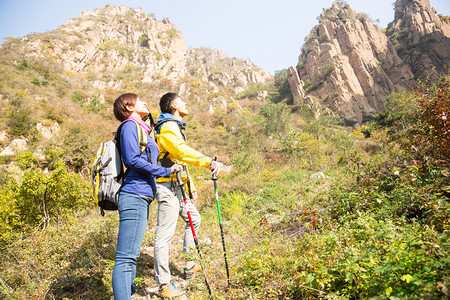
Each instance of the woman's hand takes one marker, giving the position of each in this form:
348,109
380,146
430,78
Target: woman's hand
175,168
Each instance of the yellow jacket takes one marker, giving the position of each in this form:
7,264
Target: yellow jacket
170,139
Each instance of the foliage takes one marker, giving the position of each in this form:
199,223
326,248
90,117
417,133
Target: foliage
419,120
252,91
77,97
26,160
23,64
40,199
20,122
78,148
276,117
143,40
283,90
95,105
326,70
434,102
70,259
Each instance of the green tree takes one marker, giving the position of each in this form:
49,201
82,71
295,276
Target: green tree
282,87
43,198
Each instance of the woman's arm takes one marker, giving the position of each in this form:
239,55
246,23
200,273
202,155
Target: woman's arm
131,153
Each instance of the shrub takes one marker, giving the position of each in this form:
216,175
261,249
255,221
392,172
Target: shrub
10,223
77,97
78,148
26,160
143,40
95,105
434,102
43,198
20,122
282,87
327,69
23,64
276,116
252,91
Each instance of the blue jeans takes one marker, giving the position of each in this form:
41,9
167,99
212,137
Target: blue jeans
133,217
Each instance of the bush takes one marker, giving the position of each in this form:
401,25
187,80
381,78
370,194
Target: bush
20,122
79,147
276,116
282,87
43,198
23,64
78,97
434,102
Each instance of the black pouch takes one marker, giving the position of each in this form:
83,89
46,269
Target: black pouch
165,162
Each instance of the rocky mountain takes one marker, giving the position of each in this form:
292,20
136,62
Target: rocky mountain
112,41
421,37
349,66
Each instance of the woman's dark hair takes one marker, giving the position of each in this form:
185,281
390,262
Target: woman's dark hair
121,111
165,102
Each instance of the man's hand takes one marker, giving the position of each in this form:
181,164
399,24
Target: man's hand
175,168
194,196
215,167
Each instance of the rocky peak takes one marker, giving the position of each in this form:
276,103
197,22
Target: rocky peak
219,70
108,42
349,66
421,36
114,45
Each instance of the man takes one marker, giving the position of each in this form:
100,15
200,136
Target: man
173,148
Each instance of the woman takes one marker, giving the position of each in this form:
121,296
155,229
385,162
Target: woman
137,191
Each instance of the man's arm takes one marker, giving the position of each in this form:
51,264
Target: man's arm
170,138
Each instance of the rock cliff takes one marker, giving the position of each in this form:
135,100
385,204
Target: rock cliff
421,36
349,65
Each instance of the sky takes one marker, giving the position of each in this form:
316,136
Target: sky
268,32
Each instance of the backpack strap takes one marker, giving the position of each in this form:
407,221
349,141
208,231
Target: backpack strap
150,120
142,137
142,141
164,161
160,123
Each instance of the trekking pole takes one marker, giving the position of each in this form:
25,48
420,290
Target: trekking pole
214,178
183,192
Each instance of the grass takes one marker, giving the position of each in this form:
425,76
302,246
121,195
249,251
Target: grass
287,235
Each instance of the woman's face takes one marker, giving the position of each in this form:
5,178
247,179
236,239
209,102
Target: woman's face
140,109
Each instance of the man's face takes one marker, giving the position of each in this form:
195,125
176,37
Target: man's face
180,106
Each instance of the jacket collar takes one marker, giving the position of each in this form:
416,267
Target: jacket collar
170,117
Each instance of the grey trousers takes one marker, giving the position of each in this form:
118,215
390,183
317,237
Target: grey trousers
170,206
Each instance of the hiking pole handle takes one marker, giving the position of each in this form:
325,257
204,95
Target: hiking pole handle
179,180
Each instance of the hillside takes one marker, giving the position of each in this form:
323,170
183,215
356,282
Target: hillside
312,208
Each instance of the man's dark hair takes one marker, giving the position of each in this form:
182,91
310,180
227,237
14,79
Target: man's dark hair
165,102
121,111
